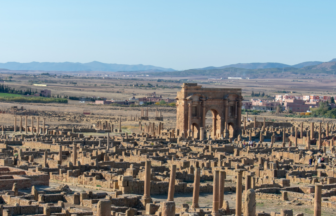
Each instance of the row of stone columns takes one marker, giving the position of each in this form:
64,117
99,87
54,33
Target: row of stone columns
218,190
32,124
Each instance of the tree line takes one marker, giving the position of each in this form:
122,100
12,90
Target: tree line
7,89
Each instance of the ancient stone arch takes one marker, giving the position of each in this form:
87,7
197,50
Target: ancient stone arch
193,102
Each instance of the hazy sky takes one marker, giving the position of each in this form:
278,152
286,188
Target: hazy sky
178,34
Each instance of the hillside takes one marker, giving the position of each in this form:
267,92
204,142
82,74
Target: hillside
326,66
256,65
306,64
265,65
71,66
259,70
309,71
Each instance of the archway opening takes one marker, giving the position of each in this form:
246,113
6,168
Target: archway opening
211,124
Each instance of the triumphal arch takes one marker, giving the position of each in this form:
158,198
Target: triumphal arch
193,102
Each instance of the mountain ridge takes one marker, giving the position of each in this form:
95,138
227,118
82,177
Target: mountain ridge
76,66
313,69
265,65
107,67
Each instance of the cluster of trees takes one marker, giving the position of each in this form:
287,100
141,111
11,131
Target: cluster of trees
81,98
7,89
45,74
253,112
164,103
34,99
259,94
324,110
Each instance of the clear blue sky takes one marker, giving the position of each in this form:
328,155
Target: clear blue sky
178,34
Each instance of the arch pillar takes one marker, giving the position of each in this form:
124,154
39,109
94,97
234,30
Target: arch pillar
196,130
219,126
214,120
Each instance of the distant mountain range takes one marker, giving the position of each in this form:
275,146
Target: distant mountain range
71,66
104,67
257,70
266,65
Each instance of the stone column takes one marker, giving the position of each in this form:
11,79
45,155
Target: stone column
213,127
26,124
255,122
14,123
312,130
283,138
308,140
168,208
244,123
108,140
20,124
219,128
171,189
120,124
317,202
104,208
222,177
60,153
32,124
44,132
159,130
74,156
319,137
189,117
250,203
147,182
327,130
296,137
15,189
215,205
196,188
38,125
239,193
264,123
238,118
226,114
201,133
45,158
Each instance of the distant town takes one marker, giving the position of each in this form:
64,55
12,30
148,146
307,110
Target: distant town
290,103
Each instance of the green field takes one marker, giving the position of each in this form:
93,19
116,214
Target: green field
7,97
